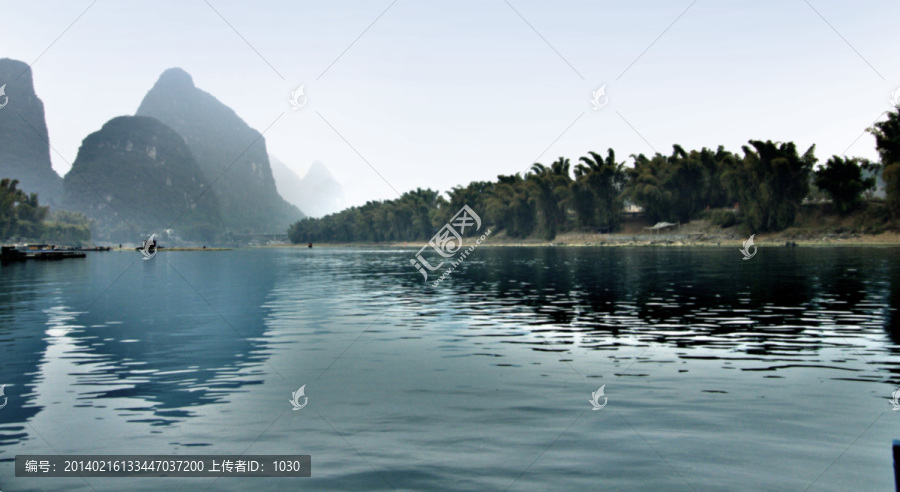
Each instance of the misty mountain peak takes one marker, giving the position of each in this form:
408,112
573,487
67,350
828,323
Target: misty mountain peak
175,78
317,194
318,172
231,155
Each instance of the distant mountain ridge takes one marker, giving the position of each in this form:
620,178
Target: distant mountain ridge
24,141
318,193
136,176
231,155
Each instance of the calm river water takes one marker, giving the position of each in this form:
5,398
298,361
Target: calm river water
719,374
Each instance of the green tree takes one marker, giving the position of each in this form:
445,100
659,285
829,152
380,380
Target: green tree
596,192
475,195
408,218
511,207
770,183
685,182
62,227
22,216
841,178
887,143
10,196
30,217
715,195
646,186
680,186
550,187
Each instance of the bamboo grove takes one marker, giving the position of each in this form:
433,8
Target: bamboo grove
766,183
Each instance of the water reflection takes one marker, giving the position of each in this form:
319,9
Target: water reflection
146,345
167,335
21,345
781,308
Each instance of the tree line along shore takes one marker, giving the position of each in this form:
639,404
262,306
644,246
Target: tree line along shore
768,188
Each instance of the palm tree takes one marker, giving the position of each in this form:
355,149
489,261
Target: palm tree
511,207
597,190
551,193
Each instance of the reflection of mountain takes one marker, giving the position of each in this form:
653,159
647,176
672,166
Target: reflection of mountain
172,337
24,144
27,300
317,194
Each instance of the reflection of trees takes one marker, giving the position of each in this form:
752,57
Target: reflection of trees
701,293
891,289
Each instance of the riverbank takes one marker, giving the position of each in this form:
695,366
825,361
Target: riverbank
700,232
621,240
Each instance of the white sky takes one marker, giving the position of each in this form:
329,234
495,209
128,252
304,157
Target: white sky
438,94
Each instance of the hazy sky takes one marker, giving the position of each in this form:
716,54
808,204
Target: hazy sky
438,94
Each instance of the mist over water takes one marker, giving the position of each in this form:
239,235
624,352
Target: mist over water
768,374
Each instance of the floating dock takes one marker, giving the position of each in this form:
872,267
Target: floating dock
10,254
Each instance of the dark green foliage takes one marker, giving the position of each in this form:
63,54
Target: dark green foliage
842,179
474,195
510,206
647,186
714,193
887,142
770,183
23,218
10,197
596,191
686,182
723,218
70,228
30,217
678,187
549,187
411,217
